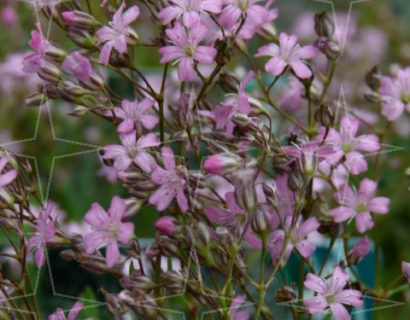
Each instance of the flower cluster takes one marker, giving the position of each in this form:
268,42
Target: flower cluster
232,169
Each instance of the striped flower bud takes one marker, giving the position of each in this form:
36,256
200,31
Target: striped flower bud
80,19
222,163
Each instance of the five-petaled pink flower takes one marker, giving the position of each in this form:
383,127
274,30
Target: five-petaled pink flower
186,50
9,176
171,183
288,54
45,231
40,44
135,115
395,94
347,144
131,151
108,229
59,313
119,34
297,240
78,65
235,219
190,10
359,205
332,294
232,13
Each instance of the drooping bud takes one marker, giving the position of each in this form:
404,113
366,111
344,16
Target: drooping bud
259,222
167,225
55,54
295,180
324,115
222,163
360,249
329,48
229,82
35,99
285,294
82,38
324,26
80,19
50,72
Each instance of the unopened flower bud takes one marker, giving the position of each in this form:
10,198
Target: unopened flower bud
35,100
142,282
79,111
229,82
295,180
405,268
167,246
222,163
329,48
324,115
245,189
119,60
167,225
372,97
174,280
80,19
324,26
241,119
95,82
280,162
204,234
185,116
285,294
259,222
373,78
67,255
360,249
71,90
50,72
82,38
55,54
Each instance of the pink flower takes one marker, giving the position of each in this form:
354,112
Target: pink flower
234,311
395,94
78,65
405,268
132,151
232,13
45,231
185,49
292,95
108,229
347,144
190,10
40,44
9,16
288,53
118,34
332,294
235,219
166,225
135,115
361,248
298,239
9,176
59,313
359,205
171,183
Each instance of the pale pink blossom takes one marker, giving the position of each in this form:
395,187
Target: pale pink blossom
186,50
59,313
40,45
359,205
288,54
171,183
132,151
79,66
45,231
332,294
108,229
118,34
190,10
235,219
234,311
7,177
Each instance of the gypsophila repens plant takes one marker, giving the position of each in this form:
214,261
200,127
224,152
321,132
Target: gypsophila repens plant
242,143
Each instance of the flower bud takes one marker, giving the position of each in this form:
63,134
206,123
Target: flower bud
324,26
285,294
329,48
82,38
174,280
70,90
80,19
405,268
245,190
360,249
229,82
185,116
79,111
167,246
222,163
67,255
167,225
280,162
324,115
295,180
35,100
50,72
373,97
55,54
204,234
373,78
119,60
259,222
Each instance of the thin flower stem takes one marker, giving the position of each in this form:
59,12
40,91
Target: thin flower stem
328,81
262,286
